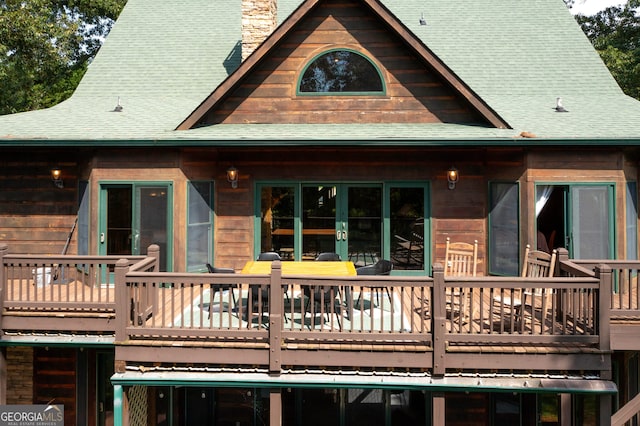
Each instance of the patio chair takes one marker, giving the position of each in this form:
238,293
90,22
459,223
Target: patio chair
536,264
328,257
381,267
461,260
323,295
258,292
221,287
268,256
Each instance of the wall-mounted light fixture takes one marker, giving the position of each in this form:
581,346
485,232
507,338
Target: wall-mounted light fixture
56,177
452,177
232,176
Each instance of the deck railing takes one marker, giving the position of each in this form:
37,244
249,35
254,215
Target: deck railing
36,288
427,319
625,298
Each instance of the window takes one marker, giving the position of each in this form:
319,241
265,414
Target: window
341,72
503,229
199,226
632,220
83,218
407,227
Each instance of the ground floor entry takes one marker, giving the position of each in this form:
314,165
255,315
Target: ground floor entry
191,405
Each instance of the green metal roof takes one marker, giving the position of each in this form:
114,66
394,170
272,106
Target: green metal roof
393,380
162,59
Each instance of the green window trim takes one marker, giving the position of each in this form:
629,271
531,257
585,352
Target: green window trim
365,64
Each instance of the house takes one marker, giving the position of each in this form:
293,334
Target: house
375,129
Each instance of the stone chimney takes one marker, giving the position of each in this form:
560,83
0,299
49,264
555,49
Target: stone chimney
259,19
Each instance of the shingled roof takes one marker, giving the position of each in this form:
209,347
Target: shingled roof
163,59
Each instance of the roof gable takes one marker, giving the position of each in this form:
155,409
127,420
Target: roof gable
421,88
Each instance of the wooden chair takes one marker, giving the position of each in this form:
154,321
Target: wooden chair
461,260
536,264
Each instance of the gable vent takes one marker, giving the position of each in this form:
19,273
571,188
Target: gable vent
259,19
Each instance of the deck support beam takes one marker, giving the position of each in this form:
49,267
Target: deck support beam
275,407
439,409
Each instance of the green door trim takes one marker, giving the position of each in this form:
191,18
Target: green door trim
102,212
342,206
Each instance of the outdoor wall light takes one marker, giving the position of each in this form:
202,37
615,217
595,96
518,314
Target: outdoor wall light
232,176
56,177
452,177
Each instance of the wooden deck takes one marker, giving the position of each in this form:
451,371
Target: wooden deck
407,322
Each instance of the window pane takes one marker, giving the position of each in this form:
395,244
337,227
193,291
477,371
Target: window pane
590,219
503,229
364,224
276,213
200,216
364,407
199,202
319,208
83,218
341,71
632,221
407,228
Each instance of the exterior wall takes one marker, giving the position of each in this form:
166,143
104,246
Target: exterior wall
35,216
414,92
19,375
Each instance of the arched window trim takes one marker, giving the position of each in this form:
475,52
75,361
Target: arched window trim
338,49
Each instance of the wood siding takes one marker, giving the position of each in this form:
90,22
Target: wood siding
35,216
54,379
414,92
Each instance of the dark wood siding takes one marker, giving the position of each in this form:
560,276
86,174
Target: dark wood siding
54,372
35,216
414,92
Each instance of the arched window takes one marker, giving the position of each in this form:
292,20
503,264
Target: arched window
341,72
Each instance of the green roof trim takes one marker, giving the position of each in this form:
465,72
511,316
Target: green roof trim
524,384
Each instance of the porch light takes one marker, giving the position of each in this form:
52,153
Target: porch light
452,177
56,177
232,176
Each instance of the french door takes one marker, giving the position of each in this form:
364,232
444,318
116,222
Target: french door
361,222
341,218
133,216
301,221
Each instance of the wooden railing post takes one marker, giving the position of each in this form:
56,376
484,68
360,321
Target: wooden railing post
154,251
604,274
562,255
150,291
123,302
4,250
438,322
276,308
